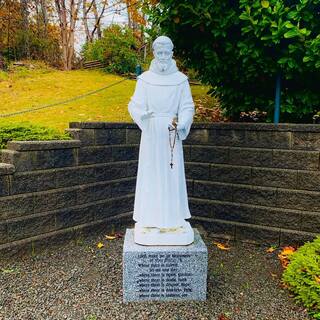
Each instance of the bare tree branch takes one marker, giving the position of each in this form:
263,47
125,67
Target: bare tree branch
98,20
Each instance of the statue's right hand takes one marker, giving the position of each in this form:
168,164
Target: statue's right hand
148,114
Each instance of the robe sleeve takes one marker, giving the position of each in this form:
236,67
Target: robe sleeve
138,104
186,111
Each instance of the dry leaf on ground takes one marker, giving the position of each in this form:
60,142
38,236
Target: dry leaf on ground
223,317
100,245
284,255
113,236
271,249
221,246
110,237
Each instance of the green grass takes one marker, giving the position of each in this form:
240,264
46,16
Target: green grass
25,88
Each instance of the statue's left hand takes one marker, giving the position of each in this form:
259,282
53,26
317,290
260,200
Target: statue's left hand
174,122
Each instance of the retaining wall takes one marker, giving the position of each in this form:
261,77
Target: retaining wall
54,190
253,182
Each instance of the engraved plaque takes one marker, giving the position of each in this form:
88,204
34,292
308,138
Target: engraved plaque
164,272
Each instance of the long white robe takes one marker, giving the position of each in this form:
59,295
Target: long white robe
161,198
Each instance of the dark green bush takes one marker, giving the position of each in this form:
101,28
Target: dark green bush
116,49
27,131
39,47
303,276
239,48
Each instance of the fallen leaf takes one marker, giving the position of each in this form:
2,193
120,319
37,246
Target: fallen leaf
113,236
100,245
221,246
284,255
110,237
271,249
222,316
119,235
284,285
288,250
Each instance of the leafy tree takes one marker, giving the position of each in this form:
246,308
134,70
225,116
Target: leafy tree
116,49
25,31
240,47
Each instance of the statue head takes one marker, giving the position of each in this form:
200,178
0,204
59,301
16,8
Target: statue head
163,52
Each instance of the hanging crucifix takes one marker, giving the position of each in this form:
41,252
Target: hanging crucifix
173,128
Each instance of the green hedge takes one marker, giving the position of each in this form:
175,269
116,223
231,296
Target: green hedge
303,276
27,131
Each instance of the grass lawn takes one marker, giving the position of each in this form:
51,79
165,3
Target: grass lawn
24,89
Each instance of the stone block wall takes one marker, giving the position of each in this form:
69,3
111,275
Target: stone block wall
50,190
252,182
255,182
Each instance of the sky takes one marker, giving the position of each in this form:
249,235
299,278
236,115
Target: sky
115,14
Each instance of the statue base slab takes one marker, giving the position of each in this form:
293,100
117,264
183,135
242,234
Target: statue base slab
164,236
164,273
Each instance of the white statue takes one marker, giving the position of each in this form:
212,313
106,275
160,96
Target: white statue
163,108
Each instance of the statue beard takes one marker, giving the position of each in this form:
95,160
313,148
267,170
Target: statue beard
163,66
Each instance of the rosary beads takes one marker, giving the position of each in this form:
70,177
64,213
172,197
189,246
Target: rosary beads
172,145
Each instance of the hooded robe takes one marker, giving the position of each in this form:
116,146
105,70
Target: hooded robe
161,198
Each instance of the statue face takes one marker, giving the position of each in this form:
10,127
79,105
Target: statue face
163,56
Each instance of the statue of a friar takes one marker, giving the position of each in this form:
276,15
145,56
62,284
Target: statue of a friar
163,108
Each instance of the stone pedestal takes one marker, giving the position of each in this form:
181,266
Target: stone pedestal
164,273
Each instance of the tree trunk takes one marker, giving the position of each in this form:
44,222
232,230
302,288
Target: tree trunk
129,14
2,64
67,28
44,11
25,27
73,20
